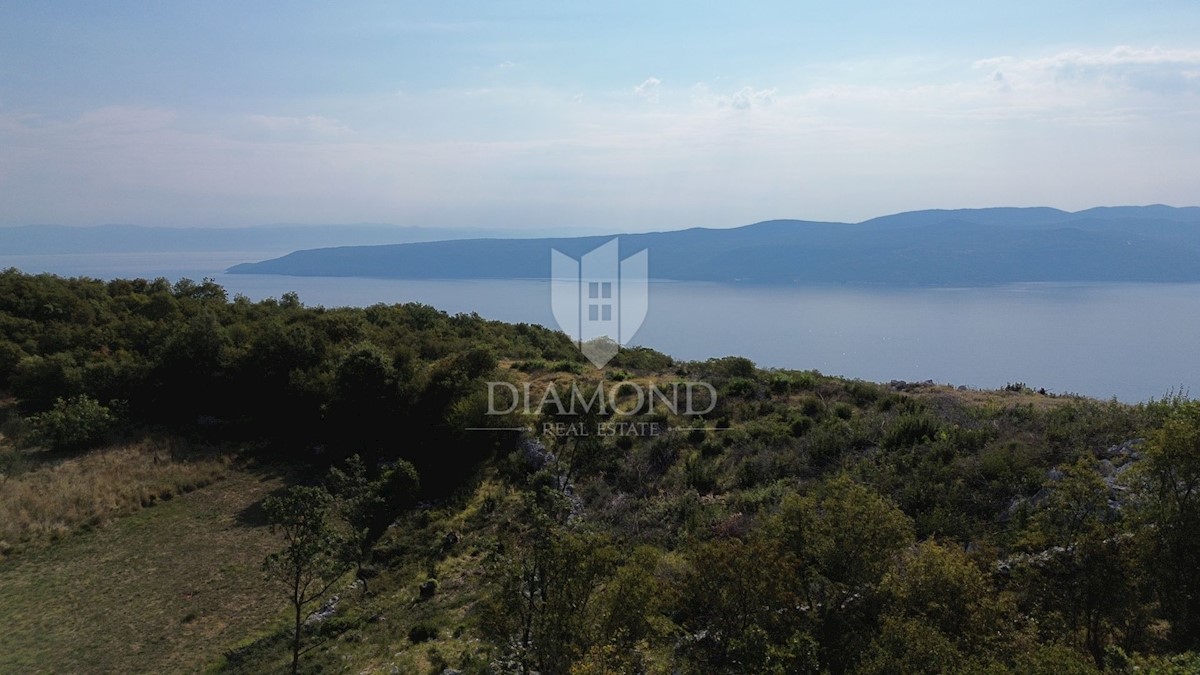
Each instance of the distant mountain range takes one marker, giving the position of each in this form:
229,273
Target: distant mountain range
938,247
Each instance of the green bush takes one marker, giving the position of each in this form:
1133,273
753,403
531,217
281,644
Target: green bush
807,379
565,366
423,631
10,356
529,366
781,384
800,426
77,423
863,393
908,430
642,358
812,406
742,387
732,366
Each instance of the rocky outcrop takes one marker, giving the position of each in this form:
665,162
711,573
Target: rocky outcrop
536,456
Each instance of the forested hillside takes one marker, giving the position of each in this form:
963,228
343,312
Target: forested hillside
806,523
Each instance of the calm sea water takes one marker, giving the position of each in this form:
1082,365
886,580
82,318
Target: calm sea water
1131,341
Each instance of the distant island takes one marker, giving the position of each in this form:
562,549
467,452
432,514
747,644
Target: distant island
261,239
936,247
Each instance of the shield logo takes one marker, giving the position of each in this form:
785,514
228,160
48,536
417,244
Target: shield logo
599,300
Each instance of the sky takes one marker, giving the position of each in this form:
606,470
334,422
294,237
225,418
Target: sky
619,116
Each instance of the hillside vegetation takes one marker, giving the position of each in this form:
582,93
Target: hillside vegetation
805,523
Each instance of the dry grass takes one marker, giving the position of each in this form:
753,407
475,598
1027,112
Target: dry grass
997,398
164,590
55,498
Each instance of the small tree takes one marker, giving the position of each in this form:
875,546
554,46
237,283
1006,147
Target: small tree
844,537
358,501
314,556
78,423
541,611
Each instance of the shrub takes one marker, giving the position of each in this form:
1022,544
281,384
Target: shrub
742,387
781,384
807,379
801,425
732,366
642,358
77,423
12,464
530,366
812,406
701,475
908,430
568,367
423,631
10,356
863,393
828,441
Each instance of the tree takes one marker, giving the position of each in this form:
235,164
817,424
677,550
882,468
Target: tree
935,595
365,399
357,500
541,611
314,556
907,645
366,505
1086,578
741,611
1172,510
844,537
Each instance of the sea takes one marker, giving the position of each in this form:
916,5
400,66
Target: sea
1132,342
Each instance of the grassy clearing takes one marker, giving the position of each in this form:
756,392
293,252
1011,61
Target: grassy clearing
57,496
166,589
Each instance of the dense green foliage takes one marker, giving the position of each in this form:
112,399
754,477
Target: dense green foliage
805,524
302,381
78,423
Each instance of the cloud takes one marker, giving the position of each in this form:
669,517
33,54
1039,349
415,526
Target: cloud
1154,70
306,125
1070,129
648,89
743,99
125,119
749,97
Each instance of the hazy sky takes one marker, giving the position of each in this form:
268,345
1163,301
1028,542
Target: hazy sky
624,116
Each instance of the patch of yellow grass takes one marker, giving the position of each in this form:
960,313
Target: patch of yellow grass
57,498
